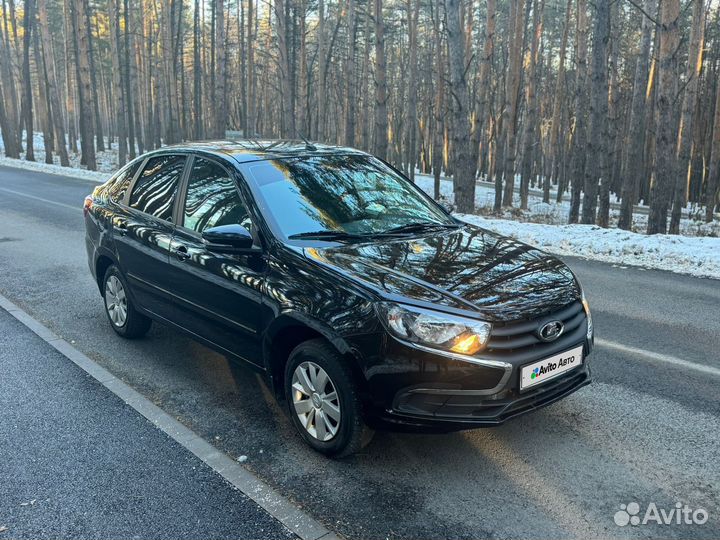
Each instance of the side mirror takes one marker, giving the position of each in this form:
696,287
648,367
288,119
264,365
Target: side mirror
228,239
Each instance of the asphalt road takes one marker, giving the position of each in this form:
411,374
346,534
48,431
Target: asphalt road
77,462
646,430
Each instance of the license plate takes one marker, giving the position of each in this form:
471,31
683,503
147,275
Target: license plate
549,368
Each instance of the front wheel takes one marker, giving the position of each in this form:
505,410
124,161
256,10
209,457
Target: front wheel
124,318
323,399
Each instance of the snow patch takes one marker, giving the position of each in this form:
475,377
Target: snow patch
696,256
38,166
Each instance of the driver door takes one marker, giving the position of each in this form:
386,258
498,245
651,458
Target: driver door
218,295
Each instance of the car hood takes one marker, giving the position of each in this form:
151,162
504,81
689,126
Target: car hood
465,268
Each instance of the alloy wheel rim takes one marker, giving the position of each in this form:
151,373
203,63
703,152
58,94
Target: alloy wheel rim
316,401
116,301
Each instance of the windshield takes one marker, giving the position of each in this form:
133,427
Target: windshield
351,195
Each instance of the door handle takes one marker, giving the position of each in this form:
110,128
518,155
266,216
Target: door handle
181,252
121,227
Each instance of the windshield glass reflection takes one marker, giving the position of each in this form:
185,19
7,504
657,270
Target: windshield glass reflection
352,195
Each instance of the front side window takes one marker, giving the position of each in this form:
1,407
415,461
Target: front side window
344,193
212,198
154,191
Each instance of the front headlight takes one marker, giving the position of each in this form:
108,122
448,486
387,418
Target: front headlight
434,329
586,306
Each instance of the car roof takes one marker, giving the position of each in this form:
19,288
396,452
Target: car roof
246,150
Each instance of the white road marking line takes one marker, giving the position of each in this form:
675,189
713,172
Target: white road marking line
282,509
658,357
75,208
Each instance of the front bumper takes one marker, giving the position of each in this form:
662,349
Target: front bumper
452,412
419,389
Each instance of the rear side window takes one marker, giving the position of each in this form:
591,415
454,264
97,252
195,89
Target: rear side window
154,191
122,182
212,198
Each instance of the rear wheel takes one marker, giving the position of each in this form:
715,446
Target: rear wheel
323,399
124,318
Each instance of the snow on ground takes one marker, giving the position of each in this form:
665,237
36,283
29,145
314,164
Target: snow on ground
543,225
557,213
107,161
41,166
684,255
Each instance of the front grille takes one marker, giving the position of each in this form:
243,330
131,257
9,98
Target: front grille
517,336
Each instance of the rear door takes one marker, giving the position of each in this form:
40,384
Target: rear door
219,294
142,231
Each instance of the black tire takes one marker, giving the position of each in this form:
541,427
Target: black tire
135,324
352,432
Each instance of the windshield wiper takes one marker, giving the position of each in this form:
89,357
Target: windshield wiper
418,226
326,235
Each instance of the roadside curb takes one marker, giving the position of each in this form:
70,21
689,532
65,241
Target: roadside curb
290,515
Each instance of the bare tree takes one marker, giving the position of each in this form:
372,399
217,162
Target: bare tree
713,181
632,162
582,106
27,99
596,168
87,132
8,103
219,94
350,103
685,133
665,138
558,100
532,61
381,118
56,110
512,95
464,168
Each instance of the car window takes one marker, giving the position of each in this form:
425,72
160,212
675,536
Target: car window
122,181
154,190
355,194
212,198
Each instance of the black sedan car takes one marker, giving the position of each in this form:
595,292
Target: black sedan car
362,301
